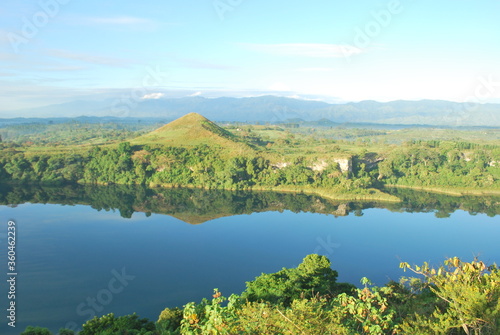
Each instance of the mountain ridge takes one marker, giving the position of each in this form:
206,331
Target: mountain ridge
269,108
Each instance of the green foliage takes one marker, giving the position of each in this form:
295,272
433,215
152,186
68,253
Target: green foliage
450,164
304,316
194,152
210,317
30,330
313,276
368,311
425,307
111,325
193,130
64,331
198,166
73,132
169,321
471,292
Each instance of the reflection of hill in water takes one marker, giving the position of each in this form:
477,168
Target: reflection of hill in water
196,206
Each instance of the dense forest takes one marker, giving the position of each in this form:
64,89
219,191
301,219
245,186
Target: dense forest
159,165
435,163
456,298
428,164
195,152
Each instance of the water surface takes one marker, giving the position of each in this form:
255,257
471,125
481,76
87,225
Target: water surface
164,248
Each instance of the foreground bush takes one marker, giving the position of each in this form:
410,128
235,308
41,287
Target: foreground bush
111,325
471,293
454,299
457,298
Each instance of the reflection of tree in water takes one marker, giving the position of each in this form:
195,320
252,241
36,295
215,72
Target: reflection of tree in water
199,205
443,205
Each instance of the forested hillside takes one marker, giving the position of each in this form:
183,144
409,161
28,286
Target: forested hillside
194,152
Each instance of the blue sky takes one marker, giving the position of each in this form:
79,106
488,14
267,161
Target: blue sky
54,51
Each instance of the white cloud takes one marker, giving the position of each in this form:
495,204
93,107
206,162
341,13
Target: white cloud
313,50
195,94
153,96
301,97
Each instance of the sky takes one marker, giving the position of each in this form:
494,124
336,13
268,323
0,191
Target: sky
56,51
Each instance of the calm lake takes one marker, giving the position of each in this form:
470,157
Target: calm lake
85,251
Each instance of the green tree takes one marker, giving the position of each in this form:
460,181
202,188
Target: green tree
111,325
125,148
313,276
30,330
169,321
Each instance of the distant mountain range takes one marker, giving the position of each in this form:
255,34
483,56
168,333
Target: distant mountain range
279,109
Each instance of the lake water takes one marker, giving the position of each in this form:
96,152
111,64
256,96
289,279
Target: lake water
91,251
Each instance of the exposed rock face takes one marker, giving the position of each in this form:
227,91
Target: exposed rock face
280,165
466,156
319,166
345,164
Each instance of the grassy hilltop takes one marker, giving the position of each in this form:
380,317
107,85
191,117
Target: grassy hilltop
191,130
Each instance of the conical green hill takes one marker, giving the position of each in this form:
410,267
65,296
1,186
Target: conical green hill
191,130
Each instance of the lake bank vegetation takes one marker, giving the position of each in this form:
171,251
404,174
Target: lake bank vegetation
195,152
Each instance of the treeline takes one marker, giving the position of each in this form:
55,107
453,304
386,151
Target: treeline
430,164
442,164
74,132
199,166
453,299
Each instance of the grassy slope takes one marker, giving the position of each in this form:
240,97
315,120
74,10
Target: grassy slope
191,130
